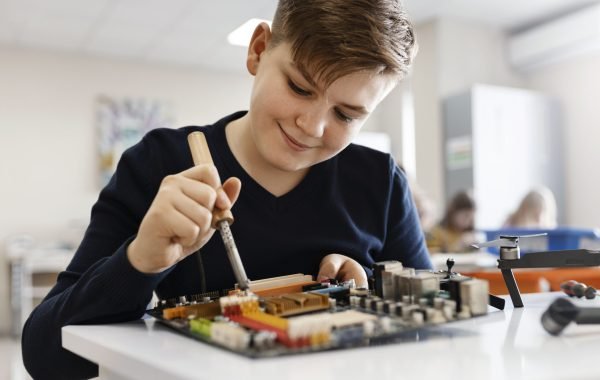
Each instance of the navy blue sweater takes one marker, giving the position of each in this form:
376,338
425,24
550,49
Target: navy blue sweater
357,204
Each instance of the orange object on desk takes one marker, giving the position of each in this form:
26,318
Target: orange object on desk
538,280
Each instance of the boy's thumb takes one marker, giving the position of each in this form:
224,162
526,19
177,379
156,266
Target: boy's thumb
232,188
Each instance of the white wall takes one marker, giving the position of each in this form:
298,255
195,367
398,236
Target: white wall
472,53
48,165
576,84
427,107
387,118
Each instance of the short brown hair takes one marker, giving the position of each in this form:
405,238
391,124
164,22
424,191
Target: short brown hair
333,38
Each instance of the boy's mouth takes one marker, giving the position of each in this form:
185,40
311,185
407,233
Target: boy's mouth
293,143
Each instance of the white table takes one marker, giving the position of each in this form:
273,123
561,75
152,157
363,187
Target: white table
509,344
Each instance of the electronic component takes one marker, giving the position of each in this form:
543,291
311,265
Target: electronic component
474,294
276,286
379,268
265,320
295,303
194,310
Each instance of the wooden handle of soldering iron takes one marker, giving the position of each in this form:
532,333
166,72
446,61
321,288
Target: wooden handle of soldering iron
201,155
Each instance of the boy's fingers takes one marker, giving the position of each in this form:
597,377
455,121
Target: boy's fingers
200,192
197,214
231,191
182,228
329,268
353,270
206,173
342,268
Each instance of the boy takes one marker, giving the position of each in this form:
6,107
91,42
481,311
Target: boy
311,202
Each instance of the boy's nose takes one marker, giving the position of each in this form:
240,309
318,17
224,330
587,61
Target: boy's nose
312,123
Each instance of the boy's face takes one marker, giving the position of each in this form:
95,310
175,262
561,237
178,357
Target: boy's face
296,123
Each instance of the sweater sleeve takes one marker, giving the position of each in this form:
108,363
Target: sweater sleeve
99,285
404,241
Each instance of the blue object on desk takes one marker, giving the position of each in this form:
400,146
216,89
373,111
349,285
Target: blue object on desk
556,239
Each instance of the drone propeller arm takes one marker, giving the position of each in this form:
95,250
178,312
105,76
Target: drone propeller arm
554,259
506,241
502,242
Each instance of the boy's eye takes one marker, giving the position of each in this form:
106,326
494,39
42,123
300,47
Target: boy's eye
343,117
297,89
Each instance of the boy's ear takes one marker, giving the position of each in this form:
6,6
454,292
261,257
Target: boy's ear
258,44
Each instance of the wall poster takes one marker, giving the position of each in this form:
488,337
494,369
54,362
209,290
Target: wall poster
121,123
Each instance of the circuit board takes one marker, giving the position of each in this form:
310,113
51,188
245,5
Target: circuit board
294,314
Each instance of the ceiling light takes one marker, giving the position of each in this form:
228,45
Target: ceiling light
241,35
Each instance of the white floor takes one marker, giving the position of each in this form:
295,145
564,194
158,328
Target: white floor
11,364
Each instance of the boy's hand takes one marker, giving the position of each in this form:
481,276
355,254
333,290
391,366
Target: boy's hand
178,221
342,268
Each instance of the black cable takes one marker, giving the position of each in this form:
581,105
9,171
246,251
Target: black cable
202,272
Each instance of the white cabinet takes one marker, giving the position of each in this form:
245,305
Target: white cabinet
501,142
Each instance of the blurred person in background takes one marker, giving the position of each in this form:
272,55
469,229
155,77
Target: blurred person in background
536,210
456,231
426,208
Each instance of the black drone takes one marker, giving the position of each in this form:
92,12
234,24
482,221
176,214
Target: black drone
510,258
